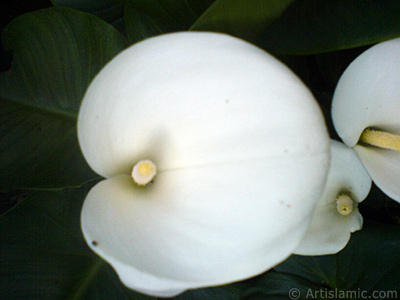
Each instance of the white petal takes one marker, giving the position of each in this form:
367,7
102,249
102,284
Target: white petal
193,99
241,152
203,226
329,231
384,167
368,93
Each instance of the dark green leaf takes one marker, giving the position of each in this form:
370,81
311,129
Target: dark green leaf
242,18
139,25
274,286
316,26
44,255
145,18
370,262
225,292
9,199
57,52
111,11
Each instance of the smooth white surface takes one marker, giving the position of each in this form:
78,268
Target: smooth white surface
384,167
193,99
242,155
202,226
368,95
329,231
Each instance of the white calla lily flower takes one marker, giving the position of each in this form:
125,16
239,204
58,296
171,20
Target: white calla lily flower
366,110
215,154
336,215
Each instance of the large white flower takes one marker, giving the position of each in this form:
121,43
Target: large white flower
366,113
238,148
336,215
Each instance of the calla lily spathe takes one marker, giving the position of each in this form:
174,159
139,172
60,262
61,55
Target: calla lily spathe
336,215
368,97
240,151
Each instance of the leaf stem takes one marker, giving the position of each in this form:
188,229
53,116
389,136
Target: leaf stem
87,278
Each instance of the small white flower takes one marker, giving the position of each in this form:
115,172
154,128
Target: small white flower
215,154
366,113
336,215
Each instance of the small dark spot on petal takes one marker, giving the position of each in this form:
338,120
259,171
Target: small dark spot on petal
94,243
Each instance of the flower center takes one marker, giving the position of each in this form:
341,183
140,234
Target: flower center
344,204
380,139
143,172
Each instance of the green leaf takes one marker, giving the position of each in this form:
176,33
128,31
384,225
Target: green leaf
57,52
274,286
111,11
370,262
225,292
44,255
146,18
352,268
9,199
246,19
315,26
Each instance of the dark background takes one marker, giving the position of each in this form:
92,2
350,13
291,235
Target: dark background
9,11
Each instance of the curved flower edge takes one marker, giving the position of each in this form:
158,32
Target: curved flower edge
329,231
176,234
